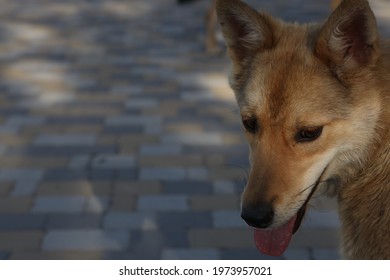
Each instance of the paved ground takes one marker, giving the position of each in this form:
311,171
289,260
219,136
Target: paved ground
119,137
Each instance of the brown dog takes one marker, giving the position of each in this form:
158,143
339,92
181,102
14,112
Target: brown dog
211,26
315,104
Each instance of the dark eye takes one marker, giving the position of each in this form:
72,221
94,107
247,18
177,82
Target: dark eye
250,125
308,134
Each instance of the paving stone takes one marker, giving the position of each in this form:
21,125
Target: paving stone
57,255
167,174
73,221
217,202
71,188
4,255
227,219
113,162
326,254
297,254
193,138
245,254
63,174
187,187
125,220
163,203
325,238
21,221
69,204
316,219
15,204
61,150
184,220
124,203
160,150
65,140
197,173
96,204
5,188
24,188
27,240
221,238
122,188
132,120
190,254
224,187
91,239
141,103
21,174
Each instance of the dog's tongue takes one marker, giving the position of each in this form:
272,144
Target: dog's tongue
274,242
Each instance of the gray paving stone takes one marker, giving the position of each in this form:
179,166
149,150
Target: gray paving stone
163,203
73,221
63,174
126,174
205,138
297,254
190,254
166,174
245,254
228,219
113,162
79,162
24,188
132,120
91,239
184,220
141,103
197,173
21,221
326,254
65,140
66,204
62,150
21,174
224,187
316,219
160,150
95,204
125,220
187,187
4,255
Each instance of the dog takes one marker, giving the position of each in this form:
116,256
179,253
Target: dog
211,44
315,106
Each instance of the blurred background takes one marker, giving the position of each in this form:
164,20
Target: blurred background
120,138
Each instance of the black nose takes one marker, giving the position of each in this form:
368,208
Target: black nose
258,215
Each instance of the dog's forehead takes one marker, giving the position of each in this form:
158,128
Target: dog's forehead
292,90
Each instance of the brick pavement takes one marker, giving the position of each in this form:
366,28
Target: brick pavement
119,137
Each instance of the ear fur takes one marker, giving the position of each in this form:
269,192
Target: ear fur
245,30
349,38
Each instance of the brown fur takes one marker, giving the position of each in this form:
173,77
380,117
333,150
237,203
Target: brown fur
335,75
211,44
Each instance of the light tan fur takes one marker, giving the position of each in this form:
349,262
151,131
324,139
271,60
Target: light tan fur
289,78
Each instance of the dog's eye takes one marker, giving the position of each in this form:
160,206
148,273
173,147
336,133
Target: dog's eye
250,125
308,134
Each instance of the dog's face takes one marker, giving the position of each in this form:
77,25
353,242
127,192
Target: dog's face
307,101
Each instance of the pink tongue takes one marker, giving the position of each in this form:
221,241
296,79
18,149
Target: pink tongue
274,242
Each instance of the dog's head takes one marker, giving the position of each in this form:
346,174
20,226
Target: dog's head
309,106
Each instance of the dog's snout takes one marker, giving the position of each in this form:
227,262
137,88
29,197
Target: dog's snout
258,215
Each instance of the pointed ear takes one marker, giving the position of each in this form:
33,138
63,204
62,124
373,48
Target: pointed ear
349,37
245,30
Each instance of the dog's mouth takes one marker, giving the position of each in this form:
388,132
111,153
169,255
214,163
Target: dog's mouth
274,242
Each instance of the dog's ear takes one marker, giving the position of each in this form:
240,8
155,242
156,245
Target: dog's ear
349,37
246,31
